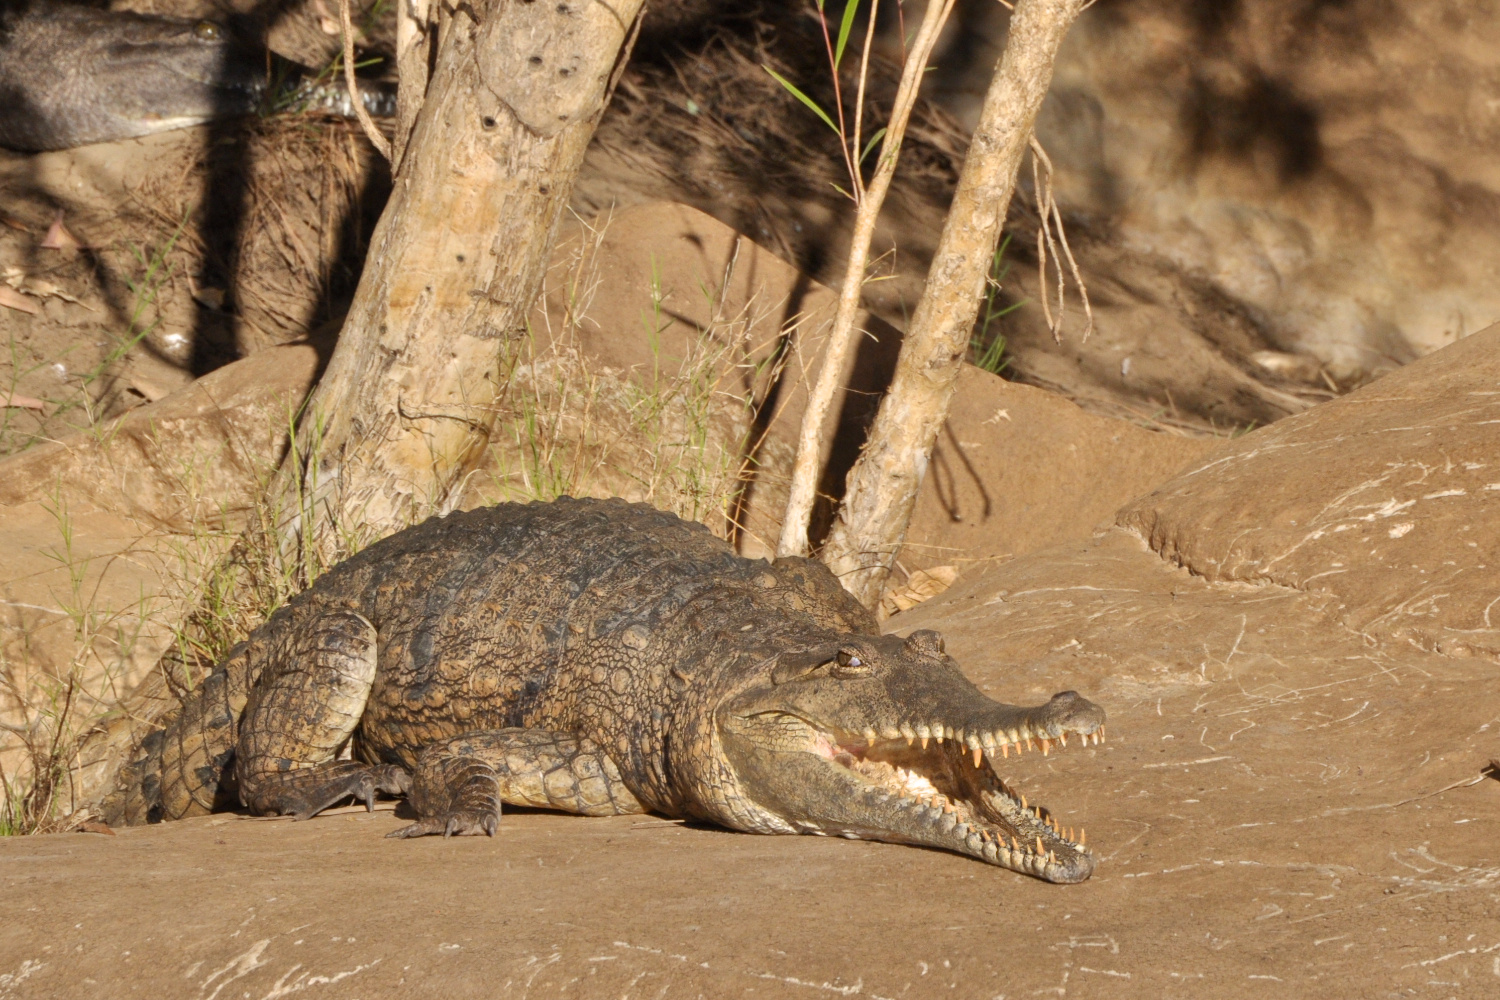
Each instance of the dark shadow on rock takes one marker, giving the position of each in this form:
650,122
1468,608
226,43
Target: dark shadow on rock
875,356
1240,123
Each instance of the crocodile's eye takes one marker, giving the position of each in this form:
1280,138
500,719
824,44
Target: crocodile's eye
207,31
849,664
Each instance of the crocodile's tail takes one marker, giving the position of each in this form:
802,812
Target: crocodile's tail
186,767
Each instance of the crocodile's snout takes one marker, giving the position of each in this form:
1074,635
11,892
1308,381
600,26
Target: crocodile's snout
885,740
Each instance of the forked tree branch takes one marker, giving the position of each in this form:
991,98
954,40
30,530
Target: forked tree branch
793,541
882,486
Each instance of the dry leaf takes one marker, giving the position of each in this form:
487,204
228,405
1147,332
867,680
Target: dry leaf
15,300
923,585
24,402
58,237
38,287
210,298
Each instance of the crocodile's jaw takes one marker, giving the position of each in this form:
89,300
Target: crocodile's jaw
889,790
164,63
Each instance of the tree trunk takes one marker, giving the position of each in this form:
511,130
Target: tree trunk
415,36
804,486
882,486
407,401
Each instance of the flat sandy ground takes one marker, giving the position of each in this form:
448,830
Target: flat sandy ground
1281,810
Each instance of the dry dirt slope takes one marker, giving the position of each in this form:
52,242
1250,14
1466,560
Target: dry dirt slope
1290,804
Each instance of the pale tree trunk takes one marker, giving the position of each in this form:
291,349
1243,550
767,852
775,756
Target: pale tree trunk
882,487
804,486
496,138
414,39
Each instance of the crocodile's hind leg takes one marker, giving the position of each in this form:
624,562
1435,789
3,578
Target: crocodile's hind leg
305,707
460,782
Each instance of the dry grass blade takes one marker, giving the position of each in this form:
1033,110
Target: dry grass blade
674,434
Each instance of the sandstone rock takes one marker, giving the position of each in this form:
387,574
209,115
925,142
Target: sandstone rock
1016,468
1327,170
1388,500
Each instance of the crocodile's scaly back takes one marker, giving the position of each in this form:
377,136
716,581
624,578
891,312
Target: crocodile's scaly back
603,618
518,615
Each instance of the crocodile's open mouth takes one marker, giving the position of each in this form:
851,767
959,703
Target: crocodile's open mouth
947,787
885,739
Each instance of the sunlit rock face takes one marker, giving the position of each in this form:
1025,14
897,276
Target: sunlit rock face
1329,166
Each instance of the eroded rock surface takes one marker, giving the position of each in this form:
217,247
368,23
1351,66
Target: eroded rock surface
1326,169
1388,500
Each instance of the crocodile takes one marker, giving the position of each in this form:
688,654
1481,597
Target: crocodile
73,75
601,657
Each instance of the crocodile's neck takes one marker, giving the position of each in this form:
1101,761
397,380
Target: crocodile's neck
664,735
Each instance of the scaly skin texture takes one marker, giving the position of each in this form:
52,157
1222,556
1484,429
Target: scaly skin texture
72,75
602,657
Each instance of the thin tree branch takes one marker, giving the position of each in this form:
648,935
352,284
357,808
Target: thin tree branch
882,486
793,540
380,142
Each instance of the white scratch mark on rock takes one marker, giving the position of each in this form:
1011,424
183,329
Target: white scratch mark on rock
10,980
282,988
1104,972
241,965
1476,950
1188,763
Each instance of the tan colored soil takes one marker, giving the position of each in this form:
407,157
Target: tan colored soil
1282,809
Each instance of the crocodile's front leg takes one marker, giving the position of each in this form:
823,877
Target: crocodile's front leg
307,705
460,782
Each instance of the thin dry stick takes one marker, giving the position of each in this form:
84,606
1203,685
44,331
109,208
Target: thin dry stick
381,144
1050,218
882,486
803,492
858,176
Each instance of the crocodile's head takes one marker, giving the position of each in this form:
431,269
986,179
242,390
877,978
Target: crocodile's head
73,74
163,73
883,739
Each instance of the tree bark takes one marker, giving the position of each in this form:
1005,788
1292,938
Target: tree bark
406,404
415,31
804,485
882,487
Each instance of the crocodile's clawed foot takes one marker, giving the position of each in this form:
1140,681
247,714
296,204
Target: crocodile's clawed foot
362,786
462,823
